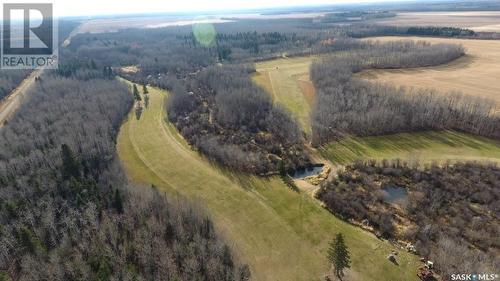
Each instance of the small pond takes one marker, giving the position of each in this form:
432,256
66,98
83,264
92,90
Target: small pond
307,172
395,194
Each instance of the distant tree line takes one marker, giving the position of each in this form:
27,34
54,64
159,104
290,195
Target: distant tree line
449,214
227,117
355,16
349,105
363,30
67,211
440,31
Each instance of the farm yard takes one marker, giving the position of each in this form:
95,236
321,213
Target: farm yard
280,233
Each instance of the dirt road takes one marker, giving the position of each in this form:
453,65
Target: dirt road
11,103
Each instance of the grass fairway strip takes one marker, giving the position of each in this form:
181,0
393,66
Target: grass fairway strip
425,147
281,234
287,81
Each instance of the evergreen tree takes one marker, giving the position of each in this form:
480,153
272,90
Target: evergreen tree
146,100
118,201
282,168
71,167
107,72
137,96
145,90
138,111
338,255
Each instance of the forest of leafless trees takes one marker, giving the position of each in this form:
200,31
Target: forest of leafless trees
224,115
450,213
10,79
349,105
67,211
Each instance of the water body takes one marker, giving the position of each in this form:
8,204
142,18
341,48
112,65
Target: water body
307,172
395,194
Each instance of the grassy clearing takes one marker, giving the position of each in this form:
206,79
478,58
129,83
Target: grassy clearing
287,80
425,147
281,234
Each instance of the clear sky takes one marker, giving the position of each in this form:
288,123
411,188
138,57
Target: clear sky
108,7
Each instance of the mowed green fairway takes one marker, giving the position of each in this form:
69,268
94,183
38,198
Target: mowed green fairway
425,147
287,80
281,234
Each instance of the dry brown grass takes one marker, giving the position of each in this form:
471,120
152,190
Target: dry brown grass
307,88
477,21
476,74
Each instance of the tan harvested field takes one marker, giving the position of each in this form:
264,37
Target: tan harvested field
475,74
488,21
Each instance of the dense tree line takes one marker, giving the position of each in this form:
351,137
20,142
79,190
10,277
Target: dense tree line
67,211
349,105
83,69
440,31
231,120
450,213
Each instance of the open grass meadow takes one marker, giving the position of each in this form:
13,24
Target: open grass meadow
281,234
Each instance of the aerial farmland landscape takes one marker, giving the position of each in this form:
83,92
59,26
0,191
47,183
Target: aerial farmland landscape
246,140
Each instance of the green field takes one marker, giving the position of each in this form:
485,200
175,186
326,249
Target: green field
425,147
287,80
281,234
